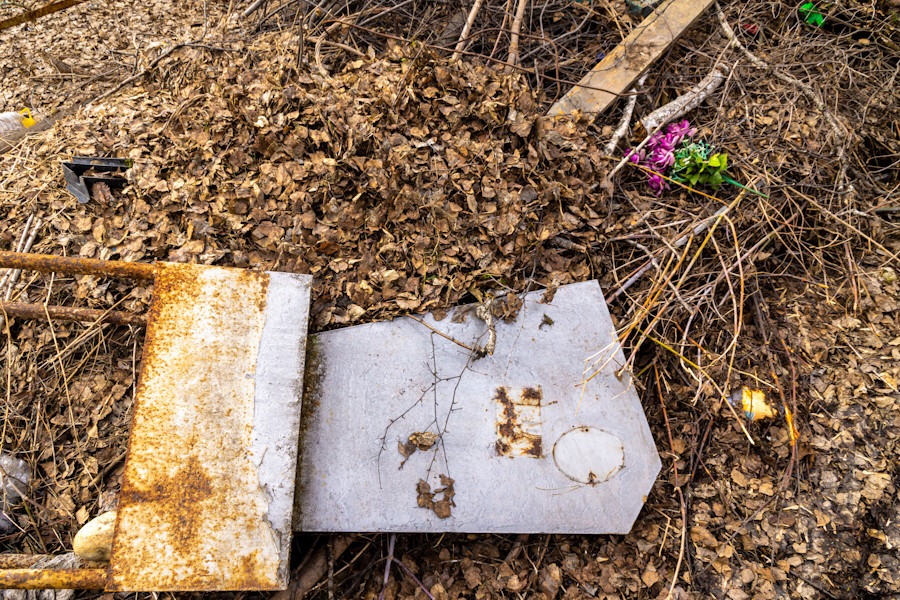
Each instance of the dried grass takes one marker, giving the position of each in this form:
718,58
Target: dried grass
698,284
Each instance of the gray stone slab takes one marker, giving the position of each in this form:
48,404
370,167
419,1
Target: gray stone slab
532,442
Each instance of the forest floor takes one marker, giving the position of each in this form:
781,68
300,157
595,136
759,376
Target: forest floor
406,182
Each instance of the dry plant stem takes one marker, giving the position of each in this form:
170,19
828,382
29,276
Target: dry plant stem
686,102
840,132
464,34
506,13
622,129
697,230
514,35
387,564
253,8
622,162
19,246
403,567
315,568
651,301
662,403
329,546
443,335
14,277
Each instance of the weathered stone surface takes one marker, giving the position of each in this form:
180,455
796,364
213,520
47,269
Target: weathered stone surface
94,540
526,442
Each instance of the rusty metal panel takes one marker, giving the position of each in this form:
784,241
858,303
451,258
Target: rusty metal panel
207,495
404,430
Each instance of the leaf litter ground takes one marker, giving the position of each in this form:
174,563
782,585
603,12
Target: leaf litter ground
404,183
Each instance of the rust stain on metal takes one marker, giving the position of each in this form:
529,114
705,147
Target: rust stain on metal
25,561
21,561
52,579
47,263
518,422
192,511
71,313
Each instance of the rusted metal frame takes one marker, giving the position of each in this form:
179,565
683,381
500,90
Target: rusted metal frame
23,310
53,579
46,263
14,568
25,561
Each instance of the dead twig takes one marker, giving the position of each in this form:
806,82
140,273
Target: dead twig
14,275
686,102
677,484
464,34
514,34
622,129
387,570
305,578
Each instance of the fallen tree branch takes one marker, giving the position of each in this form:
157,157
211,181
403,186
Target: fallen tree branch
34,15
622,129
252,8
514,34
686,102
464,34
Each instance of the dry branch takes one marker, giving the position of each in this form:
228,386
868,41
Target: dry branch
840,132
514,35
686,102
622,129
34,15
252,8
314,569
464,34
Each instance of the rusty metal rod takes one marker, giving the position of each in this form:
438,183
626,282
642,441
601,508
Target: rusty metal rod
24,561
52,579
47,263
71,313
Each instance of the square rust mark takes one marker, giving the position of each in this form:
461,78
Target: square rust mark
519,421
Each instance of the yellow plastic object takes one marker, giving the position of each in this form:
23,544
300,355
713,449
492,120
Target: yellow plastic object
755,405
27,119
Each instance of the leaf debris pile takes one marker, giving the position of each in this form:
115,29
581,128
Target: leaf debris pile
405,183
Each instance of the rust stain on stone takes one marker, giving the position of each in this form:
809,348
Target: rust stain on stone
518,422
